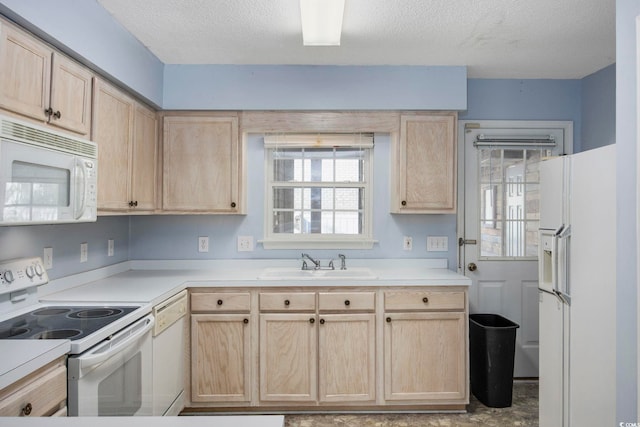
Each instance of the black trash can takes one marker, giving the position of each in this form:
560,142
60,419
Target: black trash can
492,345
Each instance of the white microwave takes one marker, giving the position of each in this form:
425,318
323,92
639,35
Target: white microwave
46,177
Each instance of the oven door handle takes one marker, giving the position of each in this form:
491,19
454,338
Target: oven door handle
117,343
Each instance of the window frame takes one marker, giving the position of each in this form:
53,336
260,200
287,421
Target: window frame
364,240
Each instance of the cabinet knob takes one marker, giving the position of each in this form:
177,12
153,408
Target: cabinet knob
57,115
312,320
425,300
219,302
403,203
233,204
135,203
130,203
347,302
322,321
245,321
287,302
48,112
27,409
388,319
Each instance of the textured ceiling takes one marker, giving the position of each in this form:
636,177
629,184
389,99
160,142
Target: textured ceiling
493,38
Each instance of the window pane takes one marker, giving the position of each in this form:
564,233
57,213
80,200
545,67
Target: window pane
509,201
348,198
318,204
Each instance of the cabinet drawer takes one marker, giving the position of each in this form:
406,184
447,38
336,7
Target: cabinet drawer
352,301
221,301
423,300
287,301
41,396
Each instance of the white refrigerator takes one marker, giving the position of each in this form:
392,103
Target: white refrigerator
577,279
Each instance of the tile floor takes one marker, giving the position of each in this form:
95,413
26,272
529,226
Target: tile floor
523,412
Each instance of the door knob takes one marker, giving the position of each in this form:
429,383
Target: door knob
472,266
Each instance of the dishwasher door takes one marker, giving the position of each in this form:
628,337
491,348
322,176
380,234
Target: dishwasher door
168,355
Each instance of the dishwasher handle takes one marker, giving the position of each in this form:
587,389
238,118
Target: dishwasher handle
119,342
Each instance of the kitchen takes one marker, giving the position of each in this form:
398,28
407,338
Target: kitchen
163,237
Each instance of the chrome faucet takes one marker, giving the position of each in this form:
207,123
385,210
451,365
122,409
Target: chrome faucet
343,262
315,263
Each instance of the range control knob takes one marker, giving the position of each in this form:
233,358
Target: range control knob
30,272
8,276
39,270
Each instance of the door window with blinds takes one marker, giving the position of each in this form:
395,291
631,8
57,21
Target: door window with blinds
318,191
509,185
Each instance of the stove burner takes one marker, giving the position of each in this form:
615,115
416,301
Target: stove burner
51,311
56,334
13,332
93,313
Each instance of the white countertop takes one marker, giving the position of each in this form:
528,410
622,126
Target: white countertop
151,282
189,421
21,357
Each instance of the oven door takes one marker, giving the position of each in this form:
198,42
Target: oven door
114,377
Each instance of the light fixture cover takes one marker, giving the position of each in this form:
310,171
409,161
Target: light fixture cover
321,22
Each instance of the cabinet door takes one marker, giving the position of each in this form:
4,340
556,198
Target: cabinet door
426,164
425,356
288,357
144,160
220,358
113,114
200,161
71,86
25,73
347,357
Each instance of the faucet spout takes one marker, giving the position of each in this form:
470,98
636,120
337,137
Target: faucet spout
315,263
343,262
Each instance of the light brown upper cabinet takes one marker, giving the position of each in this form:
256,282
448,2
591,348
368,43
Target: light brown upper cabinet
126,134
38,83
201,164
424,165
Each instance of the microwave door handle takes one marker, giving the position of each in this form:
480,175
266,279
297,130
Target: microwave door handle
89,360
80,205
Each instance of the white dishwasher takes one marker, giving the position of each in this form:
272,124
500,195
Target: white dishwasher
168,355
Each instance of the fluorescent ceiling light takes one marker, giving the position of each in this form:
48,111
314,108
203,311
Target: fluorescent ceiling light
321,22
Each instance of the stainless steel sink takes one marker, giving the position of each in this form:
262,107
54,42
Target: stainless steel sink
284,273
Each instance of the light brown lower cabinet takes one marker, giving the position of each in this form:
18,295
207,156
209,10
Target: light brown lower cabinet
42,393
288,357
220,358
425,356
303,348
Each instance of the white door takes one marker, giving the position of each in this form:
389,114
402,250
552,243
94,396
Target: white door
498,221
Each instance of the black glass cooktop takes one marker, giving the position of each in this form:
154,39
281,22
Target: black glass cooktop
61,322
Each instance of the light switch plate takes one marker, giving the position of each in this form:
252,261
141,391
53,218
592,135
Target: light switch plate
407,243
437,243
48,258
84,252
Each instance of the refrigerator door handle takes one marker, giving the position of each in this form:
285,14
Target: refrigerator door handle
562,289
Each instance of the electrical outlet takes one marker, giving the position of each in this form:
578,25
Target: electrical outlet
110,247
407,243
84,252
48,258
437,243
203,244
245,243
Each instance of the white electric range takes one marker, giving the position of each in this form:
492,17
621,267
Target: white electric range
110,363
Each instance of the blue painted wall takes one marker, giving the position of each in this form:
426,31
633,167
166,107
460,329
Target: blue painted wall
532,99
598,113
627,211
65,239
298,87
